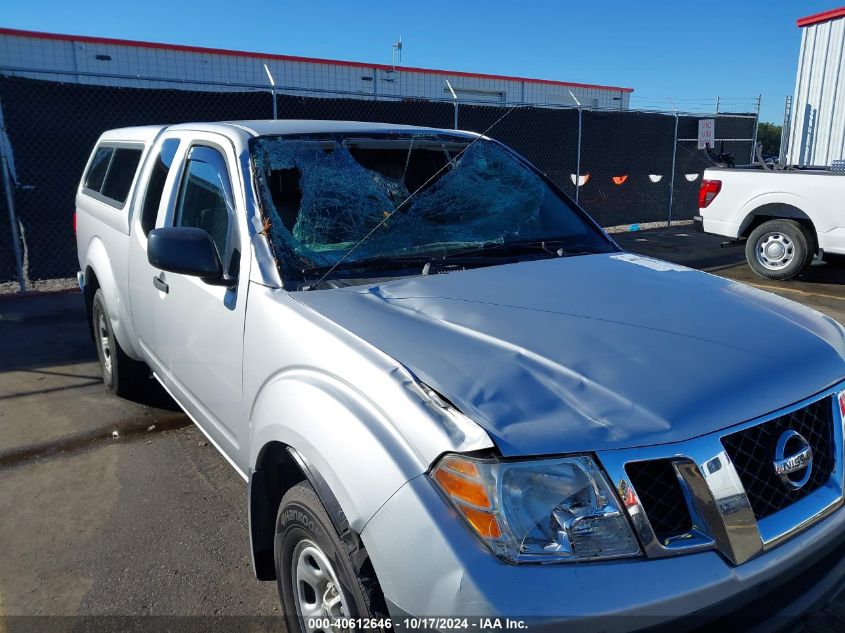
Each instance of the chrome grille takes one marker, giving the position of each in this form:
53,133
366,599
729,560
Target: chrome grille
714,479
659,490
752,452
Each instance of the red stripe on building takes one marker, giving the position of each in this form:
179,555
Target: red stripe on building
290,58
824,16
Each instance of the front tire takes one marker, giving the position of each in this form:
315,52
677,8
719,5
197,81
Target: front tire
315,576
779,249
121,375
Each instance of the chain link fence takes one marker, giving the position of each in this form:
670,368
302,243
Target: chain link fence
624,167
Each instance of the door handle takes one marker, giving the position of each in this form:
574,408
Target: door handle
158,282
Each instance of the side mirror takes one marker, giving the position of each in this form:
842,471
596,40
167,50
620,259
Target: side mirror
187,251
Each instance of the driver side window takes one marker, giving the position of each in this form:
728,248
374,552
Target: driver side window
205,201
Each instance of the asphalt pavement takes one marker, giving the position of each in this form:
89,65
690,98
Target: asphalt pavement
110,507
118,508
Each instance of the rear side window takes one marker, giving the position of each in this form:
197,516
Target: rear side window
97,172
112,172
121,173
155,184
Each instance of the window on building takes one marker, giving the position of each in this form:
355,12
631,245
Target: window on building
477,95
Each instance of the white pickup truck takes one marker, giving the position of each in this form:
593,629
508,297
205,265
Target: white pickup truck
450,392
786,217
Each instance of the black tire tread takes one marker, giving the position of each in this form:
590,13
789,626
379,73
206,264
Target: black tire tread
128,375
304,495
800,235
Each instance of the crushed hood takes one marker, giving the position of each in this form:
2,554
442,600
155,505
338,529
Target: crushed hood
595,352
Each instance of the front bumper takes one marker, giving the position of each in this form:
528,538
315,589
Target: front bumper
430,565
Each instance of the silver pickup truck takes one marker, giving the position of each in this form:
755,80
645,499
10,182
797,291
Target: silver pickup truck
452,396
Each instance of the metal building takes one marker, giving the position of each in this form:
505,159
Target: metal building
817,127
82,59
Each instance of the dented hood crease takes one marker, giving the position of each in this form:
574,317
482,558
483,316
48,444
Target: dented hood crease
594,352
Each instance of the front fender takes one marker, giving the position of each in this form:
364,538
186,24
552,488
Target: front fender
342,432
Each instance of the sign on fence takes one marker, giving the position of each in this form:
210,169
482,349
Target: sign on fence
706,133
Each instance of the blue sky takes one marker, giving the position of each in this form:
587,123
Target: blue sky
685,50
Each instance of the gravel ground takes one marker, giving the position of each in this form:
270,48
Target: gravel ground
645,226
43,285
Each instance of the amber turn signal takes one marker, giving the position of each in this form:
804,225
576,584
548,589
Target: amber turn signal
460,480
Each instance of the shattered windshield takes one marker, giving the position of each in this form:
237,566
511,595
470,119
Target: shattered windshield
321,196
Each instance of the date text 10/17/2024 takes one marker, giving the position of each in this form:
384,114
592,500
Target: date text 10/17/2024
426,623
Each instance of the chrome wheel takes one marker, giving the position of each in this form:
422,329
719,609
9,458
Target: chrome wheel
774,251
105,344
316,589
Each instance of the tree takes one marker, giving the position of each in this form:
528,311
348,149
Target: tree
769,135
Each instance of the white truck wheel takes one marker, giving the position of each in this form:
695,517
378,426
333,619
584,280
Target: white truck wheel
779,249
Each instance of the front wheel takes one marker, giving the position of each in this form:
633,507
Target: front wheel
315,575
779,249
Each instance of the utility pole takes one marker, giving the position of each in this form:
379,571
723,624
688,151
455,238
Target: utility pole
674,156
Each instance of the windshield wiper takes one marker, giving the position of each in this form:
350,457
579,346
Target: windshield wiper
487,254
556,247
421,265
370,263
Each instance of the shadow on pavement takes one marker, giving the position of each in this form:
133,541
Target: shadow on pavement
48,336
152,394
830,273
682,245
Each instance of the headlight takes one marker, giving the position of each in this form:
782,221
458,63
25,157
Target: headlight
545,510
